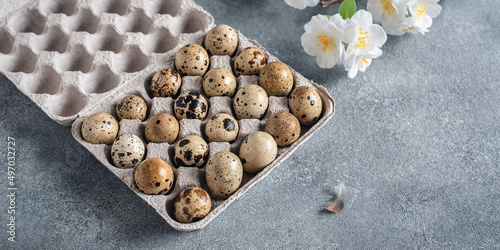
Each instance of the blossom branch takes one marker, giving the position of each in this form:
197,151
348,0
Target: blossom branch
330,2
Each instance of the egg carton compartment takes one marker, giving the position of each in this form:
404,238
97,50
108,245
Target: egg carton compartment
77,57
57,50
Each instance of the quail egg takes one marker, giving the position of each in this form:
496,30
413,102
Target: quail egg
127,151
191,151
284,127
222,128
192,205
191,105
249,61
224,173
305,103
165,83
162,127
221,40
192,60
100,128
131,107
250,102
276,78
219,82
257,151
154,176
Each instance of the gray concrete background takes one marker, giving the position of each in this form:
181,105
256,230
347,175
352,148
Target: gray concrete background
415,139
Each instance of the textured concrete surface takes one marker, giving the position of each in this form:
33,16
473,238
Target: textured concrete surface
416,140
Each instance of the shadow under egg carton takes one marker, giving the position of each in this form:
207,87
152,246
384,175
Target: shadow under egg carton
69,55
192,176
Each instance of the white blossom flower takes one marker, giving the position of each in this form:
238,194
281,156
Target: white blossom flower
302,4
391,14
323,38
399,17
422,12
366,42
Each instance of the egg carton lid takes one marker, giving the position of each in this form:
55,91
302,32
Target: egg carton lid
68,56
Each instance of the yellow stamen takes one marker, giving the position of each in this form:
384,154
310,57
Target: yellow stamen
363,38
420,10
388,8
363,62
326,41
408,30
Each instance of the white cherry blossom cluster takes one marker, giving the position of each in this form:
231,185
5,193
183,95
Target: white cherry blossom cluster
353,42
352,39
399,17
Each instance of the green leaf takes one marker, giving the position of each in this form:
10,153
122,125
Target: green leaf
347,8
327,16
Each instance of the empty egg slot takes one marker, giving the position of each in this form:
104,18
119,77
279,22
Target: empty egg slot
83,21
108,39
28,21
111,6
67,103
76,59
52,40
194,22
21,59
135,21
160,41
100,80
130,60
46,81
162,7
6,41
58,7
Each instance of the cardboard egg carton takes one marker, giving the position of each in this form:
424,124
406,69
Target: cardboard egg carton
75,58
69,55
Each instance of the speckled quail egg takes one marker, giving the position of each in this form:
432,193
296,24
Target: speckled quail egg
257,151
224,173
192,205
305,103
250,102
127,151
276,78
222,128
131,107
154,176
284,127
219,82
221,40
192,60
100,128
191,105
165,83
162,127
191,151
249,61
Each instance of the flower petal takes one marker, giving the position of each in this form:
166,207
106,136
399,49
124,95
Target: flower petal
433,10
302,4
310,44
363,17
377,35
327,60
350,31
